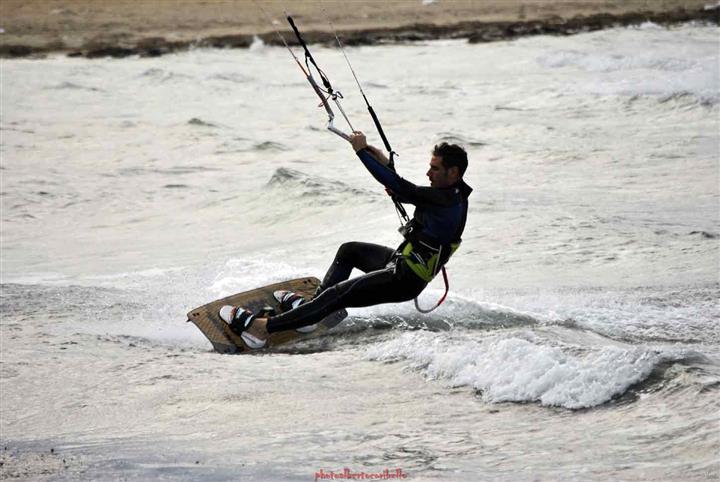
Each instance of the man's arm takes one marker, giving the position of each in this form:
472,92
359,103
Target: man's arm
405,190
359,142
379,155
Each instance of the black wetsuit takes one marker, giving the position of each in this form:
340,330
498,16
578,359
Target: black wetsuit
392,275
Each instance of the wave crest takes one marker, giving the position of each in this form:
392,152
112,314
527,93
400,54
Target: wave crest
297,183
518,370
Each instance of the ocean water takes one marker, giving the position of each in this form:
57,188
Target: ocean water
581,336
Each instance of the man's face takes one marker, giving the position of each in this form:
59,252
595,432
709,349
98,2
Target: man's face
439,176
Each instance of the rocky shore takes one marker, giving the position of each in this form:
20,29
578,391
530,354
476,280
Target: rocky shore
123,44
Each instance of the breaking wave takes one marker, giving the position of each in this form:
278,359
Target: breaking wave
614,62
201,123
301,185
451,138
514,369
74,86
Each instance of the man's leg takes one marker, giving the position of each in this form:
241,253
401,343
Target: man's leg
384,284
366,257
387,285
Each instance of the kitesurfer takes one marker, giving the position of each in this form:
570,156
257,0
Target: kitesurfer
391,275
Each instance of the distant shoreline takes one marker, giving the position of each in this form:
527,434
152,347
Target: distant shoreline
118,45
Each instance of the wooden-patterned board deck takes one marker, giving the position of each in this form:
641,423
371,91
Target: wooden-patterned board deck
223,340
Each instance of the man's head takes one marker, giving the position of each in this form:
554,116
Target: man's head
447,165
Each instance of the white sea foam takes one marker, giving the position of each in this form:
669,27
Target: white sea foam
649,26
662,69
257,43
617,62
241,274
516,369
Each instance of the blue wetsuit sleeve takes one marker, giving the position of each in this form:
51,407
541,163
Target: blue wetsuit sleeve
384,175
406,191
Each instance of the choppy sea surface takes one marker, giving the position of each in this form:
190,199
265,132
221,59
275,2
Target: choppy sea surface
581,337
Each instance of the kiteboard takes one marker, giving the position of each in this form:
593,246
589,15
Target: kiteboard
223,340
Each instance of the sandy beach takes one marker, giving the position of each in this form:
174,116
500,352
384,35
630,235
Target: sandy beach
96,29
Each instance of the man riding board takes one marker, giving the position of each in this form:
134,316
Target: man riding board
391,275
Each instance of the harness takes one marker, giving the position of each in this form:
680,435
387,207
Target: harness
424,258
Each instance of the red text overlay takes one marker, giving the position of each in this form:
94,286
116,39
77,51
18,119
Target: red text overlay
347,474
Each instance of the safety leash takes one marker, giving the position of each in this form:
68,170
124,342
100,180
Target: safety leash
442,299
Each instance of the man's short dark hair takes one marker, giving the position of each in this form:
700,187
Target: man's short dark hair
452,156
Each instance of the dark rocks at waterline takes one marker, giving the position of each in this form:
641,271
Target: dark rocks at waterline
475,32
226,41
559,26
18,51
147,47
